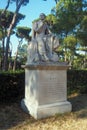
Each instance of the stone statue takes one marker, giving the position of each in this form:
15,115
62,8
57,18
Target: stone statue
43,43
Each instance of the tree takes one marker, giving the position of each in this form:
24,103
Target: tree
71,20
21,33
82,36
70,48
3,12
54,0
18,3
4,25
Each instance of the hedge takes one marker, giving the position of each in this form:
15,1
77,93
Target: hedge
77,80
12,85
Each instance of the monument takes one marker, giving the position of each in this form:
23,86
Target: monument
45,76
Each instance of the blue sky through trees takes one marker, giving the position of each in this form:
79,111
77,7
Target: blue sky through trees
32,11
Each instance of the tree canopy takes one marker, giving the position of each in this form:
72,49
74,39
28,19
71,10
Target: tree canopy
68,20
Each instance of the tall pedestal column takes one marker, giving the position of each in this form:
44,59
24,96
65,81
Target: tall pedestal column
45,90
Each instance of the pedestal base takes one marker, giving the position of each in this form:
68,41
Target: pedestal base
45,90
44,111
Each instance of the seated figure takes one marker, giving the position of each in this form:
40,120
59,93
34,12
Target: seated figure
43,43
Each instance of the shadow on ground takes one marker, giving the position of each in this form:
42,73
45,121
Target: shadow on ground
79,105
12,115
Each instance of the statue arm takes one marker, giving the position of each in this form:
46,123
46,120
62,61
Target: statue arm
34,25
38,26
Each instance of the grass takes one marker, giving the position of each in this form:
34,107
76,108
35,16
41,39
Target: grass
12,117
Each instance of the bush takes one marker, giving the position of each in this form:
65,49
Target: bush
77,81
11,86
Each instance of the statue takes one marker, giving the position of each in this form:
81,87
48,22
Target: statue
43,43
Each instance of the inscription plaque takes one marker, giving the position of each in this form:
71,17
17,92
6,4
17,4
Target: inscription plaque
52,87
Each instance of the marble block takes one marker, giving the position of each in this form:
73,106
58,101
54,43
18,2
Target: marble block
45,90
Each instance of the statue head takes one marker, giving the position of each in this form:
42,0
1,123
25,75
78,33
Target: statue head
42,16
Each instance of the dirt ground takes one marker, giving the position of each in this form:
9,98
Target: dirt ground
12,117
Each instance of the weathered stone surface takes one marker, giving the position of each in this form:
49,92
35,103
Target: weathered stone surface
45,90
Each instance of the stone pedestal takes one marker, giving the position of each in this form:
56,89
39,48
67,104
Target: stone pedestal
45,90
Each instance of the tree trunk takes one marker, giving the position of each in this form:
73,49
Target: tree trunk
3,51
15,61
6,54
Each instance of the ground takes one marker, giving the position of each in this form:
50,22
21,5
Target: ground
12,117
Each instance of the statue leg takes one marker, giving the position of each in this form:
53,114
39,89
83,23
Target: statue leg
42,49
32,52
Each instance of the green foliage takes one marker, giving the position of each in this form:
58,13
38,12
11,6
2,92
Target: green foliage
70,41
82,32
24,2
23,32
71,26
6,19
78,62
51,18
68,18
77,81
12,86
52,21
65,12
22,53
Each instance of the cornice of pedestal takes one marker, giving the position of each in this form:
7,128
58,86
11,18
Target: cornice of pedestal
47,66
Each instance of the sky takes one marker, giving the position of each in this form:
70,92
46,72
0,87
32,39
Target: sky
32,11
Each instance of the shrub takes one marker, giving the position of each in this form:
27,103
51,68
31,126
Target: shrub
11,86
77,81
